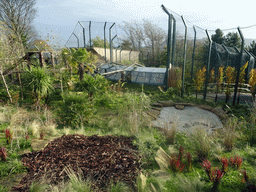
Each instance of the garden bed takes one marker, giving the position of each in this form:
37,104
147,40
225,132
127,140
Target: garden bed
101,159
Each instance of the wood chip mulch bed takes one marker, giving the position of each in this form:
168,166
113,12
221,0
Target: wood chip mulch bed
102,159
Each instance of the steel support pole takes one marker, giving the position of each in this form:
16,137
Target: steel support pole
121,54
110,42
130,55
173,42
170,17
105,45
77,40
111,50
83,33
184,57
193,54
208,64
90,34
239,66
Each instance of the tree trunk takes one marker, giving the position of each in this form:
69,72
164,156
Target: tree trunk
81,72
6,87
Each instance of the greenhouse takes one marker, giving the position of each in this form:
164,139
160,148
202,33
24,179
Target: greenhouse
134,73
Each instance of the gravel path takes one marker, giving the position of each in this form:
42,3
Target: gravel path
187,119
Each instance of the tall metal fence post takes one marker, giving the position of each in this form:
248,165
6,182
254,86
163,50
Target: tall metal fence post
116,52
77,40
173,42
193,54
90,34
121,54
208,64
110,42
111,51
184,57
83,33
130,55
105,45
239,65
170,17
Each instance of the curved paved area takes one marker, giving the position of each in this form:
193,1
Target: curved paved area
187,119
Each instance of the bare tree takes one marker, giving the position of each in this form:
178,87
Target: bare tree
18,16
155,37
145,35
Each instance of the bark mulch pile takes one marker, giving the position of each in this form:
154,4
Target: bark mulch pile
102,159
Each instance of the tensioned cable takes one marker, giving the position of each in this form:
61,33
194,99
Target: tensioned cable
212,30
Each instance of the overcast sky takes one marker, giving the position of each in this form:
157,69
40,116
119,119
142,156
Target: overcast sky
59,17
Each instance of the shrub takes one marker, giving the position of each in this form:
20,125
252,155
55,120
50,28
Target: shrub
92,85
199,79
75,110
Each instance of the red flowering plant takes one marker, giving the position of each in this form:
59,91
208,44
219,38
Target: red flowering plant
176,165
224,162
236,161
3,153
215,175
8,135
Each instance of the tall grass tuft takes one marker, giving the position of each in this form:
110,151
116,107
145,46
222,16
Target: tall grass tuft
230,134
201,143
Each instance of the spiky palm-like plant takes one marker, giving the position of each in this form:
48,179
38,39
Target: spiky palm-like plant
38,82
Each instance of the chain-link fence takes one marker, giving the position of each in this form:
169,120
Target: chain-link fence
192,48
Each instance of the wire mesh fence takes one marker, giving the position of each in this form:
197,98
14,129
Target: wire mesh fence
180,43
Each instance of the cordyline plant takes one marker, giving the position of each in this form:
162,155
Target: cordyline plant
224,162
199,79
8,135
3,153
230,78
176,165
252,82
215,175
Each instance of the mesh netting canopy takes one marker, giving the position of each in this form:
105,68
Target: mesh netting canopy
230,56
134,74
